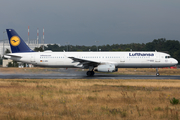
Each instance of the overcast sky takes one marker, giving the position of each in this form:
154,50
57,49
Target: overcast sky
82,22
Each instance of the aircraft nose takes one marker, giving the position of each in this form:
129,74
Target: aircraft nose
175,61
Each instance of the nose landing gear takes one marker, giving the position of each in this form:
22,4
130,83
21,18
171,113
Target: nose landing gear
157,72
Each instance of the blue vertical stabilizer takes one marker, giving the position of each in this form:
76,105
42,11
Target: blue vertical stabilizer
16,42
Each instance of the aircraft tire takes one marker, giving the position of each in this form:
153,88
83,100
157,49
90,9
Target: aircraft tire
157,74
90,73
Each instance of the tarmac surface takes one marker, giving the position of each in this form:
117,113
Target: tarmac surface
76,74
80,76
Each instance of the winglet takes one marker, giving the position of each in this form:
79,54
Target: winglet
16,42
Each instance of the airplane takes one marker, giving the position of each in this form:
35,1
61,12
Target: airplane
94,61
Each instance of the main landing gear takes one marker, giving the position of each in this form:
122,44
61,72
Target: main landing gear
90,73
157,72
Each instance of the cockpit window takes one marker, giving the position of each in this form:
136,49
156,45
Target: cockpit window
168,57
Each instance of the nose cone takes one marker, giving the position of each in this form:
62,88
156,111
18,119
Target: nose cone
175,61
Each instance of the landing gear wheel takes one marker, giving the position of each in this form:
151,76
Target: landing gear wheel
157,74
90,73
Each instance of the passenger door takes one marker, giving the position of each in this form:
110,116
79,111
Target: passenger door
157,59
33,58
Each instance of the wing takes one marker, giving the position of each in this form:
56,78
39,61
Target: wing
84,62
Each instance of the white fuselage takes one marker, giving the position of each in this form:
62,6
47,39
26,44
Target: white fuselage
128,59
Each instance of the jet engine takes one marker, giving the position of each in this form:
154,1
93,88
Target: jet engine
106,68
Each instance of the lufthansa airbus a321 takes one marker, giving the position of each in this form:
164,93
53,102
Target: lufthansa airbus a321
94,61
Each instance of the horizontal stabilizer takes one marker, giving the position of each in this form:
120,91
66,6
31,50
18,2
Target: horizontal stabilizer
9,56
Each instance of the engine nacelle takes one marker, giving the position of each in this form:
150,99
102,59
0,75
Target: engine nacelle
106,68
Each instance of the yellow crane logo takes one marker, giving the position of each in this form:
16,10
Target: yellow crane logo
15,40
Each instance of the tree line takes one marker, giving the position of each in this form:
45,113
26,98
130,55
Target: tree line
171,47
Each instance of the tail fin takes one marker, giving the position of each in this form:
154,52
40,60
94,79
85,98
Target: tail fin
16,42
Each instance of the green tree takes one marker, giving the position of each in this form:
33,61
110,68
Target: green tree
13,64
7,51
37,49
177,55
